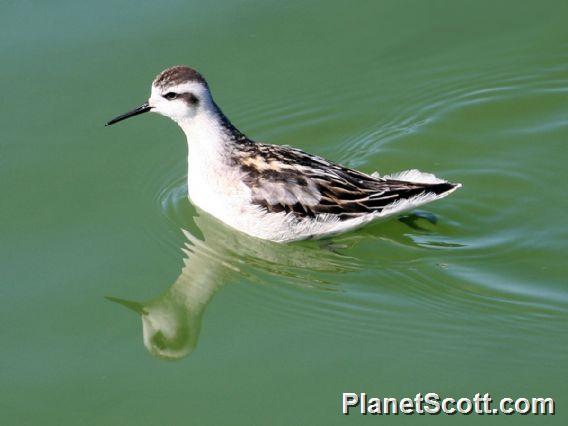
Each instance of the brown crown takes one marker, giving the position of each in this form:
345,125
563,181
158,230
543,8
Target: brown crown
177,75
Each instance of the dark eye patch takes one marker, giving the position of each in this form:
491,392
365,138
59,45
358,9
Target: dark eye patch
189,98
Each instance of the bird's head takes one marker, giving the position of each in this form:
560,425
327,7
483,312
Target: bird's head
178,92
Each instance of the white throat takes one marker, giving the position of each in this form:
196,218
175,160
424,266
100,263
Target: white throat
207,139
211,179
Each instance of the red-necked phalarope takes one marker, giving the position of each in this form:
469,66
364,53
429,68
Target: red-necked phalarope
274,192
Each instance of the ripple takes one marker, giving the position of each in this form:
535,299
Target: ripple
293,272
237,249
444,93
380,278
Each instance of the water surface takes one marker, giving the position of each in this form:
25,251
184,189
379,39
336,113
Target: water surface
123,304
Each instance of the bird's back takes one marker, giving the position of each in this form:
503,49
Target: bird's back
313,197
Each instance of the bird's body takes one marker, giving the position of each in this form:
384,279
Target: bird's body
275,192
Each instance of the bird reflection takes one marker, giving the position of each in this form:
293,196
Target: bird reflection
171,322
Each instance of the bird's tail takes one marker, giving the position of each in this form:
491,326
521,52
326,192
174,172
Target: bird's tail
423,188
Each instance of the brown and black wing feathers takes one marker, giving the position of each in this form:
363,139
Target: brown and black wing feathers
284,179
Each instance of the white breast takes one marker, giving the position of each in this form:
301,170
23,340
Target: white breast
215,185
216,188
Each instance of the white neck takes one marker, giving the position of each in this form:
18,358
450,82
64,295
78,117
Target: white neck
207,139
210,177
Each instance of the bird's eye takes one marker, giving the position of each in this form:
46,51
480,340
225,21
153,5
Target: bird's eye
170,95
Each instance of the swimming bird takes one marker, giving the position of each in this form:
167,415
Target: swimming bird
274,192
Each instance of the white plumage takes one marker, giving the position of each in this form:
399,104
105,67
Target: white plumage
275,192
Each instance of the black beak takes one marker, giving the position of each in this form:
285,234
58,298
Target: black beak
136,111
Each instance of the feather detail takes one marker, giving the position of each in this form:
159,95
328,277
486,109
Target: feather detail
415,176
288,180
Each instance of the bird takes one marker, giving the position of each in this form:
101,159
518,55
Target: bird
274,192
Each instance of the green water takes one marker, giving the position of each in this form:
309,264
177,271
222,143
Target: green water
98,243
